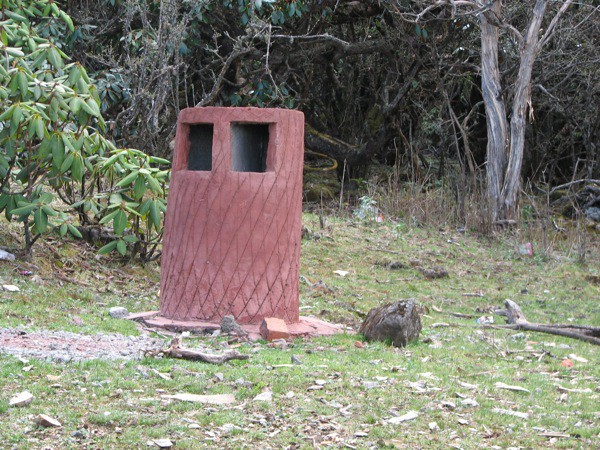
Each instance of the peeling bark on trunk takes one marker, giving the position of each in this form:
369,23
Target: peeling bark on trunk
497,126
506,144
512,181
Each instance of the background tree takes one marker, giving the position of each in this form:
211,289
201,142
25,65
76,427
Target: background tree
427,86
52,143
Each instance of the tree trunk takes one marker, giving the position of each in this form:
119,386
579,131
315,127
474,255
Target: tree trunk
497,124
512,180
506,144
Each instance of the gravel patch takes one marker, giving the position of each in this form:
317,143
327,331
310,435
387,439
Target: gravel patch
63,346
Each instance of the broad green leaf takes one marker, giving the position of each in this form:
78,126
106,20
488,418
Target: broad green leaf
22,80
4,198
115,198
40,219
58,151
74,231
120,223
67,20
130,238
23,210
14,16
12,51
108,248
121,247
54,57
93,107
75,104
154,185
139,188
159,160
66,138
49,211
132,211
154,215
111,160
108,217
128,179
145,207
17,114
39,127
67,163
77,168
63,229
74,75
7,114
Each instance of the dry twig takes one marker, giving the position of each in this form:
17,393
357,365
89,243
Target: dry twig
175,350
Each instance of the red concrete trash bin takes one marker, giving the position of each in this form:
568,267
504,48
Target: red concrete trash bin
233,227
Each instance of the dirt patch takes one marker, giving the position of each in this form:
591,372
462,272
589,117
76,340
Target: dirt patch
62,346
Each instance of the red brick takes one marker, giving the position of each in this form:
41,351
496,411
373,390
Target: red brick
272,328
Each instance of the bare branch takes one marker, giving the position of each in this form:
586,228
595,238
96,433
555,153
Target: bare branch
316,37
219,81
414,70
550,30
571,183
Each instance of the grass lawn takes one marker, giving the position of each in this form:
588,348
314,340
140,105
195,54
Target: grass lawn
347,392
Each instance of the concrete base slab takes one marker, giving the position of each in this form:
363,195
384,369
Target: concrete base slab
307,326
143,315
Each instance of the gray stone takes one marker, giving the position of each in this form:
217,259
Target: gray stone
230,326
264,397
118,312
47,421
10,288
593,213
4,255
398,323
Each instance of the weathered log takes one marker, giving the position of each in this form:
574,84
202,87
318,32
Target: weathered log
353,155
175,350
398,322
514,313
517,321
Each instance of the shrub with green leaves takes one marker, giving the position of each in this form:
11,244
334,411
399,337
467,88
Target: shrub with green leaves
52,145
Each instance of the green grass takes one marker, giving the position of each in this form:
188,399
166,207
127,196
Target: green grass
112,404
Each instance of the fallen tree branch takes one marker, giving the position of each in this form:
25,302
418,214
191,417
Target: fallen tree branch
175,350
517,321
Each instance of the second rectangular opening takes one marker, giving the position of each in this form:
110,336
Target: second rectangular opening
249,146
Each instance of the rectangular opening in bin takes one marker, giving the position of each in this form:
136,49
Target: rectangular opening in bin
249,145
201,140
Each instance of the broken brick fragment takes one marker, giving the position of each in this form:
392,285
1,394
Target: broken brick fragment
273,328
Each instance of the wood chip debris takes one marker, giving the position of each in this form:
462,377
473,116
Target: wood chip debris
22,399
574,357
500,385
554,434
219,399
10,288
574,391
164,376
469,402
411,415
467,385
509,412
264,397
162,443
